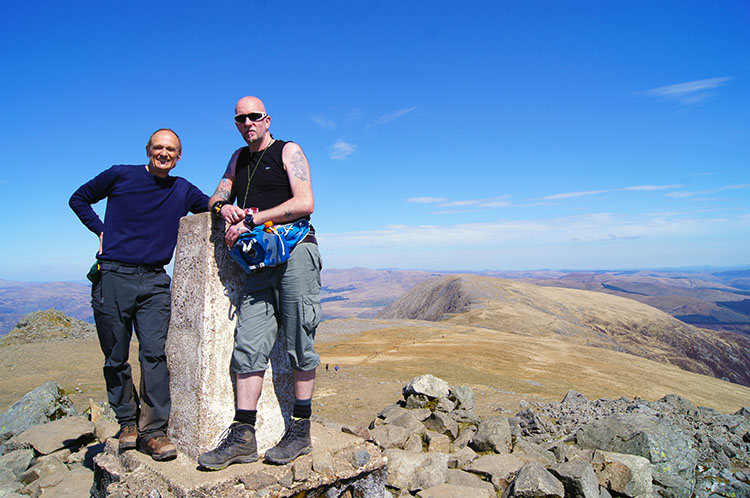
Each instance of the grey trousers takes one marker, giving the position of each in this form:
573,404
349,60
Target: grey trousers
285,296
128,297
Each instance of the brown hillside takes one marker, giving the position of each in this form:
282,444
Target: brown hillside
578,316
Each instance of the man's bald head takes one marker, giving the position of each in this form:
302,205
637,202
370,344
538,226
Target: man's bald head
249,104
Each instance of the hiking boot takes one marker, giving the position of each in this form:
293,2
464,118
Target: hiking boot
295,442
237,446
160,448
128,437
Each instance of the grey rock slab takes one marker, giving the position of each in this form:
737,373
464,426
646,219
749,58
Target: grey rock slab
61,433
625,474
322,462
439,443
389,436
527,451
464,437
392,411
533,480
463,478
407,420
455,491
413,443
500,469
578,478
442,423
73,484
666,447
463,397
42,468
462,457
302,468
10,487
46,402
17,461
429,385
415,471
493,434
445,405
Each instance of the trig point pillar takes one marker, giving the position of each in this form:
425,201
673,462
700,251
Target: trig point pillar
206,289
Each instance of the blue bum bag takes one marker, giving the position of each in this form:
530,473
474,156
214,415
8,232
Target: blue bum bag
266,246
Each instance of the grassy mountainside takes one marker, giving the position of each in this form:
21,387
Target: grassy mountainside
577,316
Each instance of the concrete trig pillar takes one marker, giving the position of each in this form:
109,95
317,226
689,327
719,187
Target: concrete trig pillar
206,289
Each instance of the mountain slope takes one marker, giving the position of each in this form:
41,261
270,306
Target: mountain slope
579,316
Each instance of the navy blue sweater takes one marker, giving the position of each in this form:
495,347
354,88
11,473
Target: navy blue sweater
143,212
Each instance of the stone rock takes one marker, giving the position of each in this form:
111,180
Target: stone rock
442,424
444,405
463,397
527,451
530,423
389,436
10,488
322,462
415,471
533,480
500,469
7,475
17,461
578,478
455,491
624,474
461,457
417,401
464,437
64,432
667,448
358,430
463,478
302,468
439,443
43,467
465,417
574,398
258,480
105,429
413,443
73,484
101,411
46,402
393,410
493,434
427,385
406,420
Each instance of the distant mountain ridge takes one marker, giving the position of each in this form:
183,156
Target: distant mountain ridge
580,316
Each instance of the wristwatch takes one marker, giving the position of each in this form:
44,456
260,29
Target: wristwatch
249,221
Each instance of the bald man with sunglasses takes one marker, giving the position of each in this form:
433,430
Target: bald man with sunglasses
270,180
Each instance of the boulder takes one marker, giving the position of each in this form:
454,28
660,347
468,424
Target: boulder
17,461
666,447
447,490
463,397
427,385
493,434
578,478
45,403
461,457
442,423
533,481
65,432
463,478
500,469
389,436
415,471
623,474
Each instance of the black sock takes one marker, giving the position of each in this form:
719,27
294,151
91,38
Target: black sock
302,408
245,416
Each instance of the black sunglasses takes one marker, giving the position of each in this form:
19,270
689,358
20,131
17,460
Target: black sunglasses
253,116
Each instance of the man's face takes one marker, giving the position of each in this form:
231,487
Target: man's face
163,153
252,131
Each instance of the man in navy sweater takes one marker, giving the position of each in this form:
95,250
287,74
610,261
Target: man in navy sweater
131,288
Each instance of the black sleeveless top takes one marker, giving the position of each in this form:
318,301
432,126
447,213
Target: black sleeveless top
269,185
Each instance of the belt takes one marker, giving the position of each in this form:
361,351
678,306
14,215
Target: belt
129,268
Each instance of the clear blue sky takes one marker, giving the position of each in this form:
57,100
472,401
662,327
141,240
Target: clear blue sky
441,135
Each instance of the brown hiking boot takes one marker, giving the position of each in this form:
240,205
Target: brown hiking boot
160,448
128,437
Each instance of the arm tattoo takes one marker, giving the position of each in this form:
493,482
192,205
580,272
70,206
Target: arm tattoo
224,190
298,166
288,213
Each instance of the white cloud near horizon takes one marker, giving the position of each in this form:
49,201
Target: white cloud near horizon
569,195
426,200
323,122
689,92
684,194
387,118
650,188
341,150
